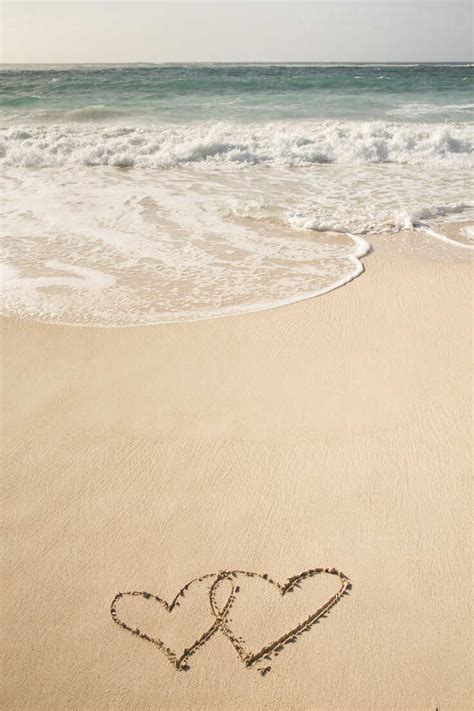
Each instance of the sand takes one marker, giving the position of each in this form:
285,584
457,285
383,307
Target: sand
332,433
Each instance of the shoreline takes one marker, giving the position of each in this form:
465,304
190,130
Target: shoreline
444,241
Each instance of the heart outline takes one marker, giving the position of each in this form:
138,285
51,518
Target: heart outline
178,661
248,658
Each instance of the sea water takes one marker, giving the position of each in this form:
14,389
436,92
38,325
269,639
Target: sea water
141,194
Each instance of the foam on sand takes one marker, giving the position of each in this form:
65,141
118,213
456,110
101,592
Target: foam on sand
112,247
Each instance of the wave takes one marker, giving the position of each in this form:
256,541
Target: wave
404,219
410,219
84,114
225,145
121,251
54,116
129,247
417,109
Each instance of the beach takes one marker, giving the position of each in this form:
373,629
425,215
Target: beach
236,341
329,433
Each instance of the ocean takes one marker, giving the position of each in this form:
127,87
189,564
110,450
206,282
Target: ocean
145,194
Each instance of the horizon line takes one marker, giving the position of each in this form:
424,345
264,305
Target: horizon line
250,62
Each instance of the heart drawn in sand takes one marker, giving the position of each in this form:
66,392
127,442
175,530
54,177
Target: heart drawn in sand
237,602
144,617
263,605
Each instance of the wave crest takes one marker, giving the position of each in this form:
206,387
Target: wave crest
236,145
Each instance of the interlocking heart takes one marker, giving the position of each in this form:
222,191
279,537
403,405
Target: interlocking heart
250,609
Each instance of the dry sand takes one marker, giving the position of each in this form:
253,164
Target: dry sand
330,433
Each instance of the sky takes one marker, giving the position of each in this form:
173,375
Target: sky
68,31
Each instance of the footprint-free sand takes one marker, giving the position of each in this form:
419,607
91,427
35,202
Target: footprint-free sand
330,433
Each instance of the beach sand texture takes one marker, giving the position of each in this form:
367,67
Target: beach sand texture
332,433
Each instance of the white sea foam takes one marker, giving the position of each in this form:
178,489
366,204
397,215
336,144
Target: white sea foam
409,219
73,276
468,233
414,109
224,145
106,248
95,244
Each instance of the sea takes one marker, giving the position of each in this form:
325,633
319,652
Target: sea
145,194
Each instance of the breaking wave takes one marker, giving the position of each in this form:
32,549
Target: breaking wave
226,145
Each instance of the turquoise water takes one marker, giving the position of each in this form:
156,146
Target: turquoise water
146,194
169,93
